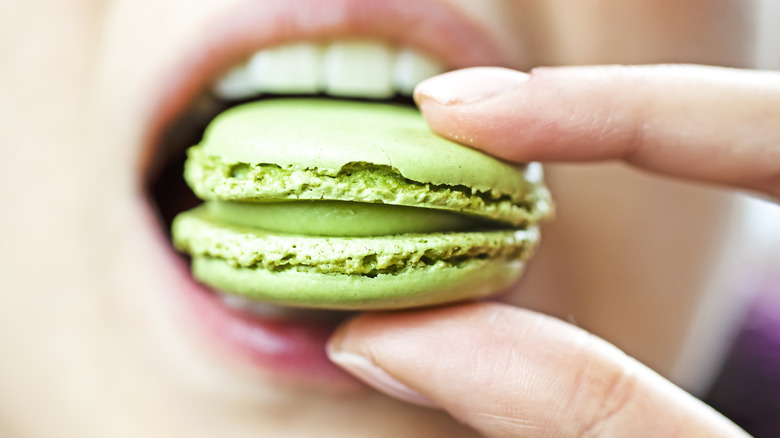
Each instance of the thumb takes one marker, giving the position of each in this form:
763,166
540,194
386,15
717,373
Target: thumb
511,372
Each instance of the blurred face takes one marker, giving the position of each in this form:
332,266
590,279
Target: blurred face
102,329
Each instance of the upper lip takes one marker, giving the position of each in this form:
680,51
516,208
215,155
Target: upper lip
427,25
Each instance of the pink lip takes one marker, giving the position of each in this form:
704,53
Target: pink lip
289,349
296,349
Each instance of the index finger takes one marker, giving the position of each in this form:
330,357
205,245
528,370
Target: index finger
706,123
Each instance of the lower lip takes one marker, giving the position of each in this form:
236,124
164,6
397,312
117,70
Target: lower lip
288,351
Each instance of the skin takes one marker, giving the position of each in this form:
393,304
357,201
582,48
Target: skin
94,348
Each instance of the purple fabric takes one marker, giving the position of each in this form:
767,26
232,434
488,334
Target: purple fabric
747,389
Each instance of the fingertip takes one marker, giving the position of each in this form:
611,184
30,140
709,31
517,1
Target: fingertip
468,85
480,107
350,348
365,369
350,336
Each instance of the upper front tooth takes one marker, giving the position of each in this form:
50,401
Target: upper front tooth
234,84
359,69
352,68
411,68
292,68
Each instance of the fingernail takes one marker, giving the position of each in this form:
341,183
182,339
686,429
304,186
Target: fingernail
469,85
366,370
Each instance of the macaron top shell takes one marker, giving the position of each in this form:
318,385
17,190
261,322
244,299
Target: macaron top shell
353,151
330,134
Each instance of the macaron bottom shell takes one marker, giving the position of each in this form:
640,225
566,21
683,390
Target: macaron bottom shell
430,285
351,273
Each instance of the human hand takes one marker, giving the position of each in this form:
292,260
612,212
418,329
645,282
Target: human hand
704,123
512,372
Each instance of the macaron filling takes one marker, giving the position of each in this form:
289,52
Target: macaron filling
340,218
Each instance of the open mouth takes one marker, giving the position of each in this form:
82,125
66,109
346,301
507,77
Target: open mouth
290,340
372,50
341,69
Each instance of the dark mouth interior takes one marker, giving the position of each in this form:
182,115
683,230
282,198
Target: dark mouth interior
165,188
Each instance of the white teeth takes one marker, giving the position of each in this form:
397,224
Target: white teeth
234,84
349,68
240,303
257,308
294,68
413,67
359,69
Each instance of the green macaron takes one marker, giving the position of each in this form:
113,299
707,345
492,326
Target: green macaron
353,205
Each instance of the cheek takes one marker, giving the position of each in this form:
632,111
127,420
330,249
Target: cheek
511,23
663,31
